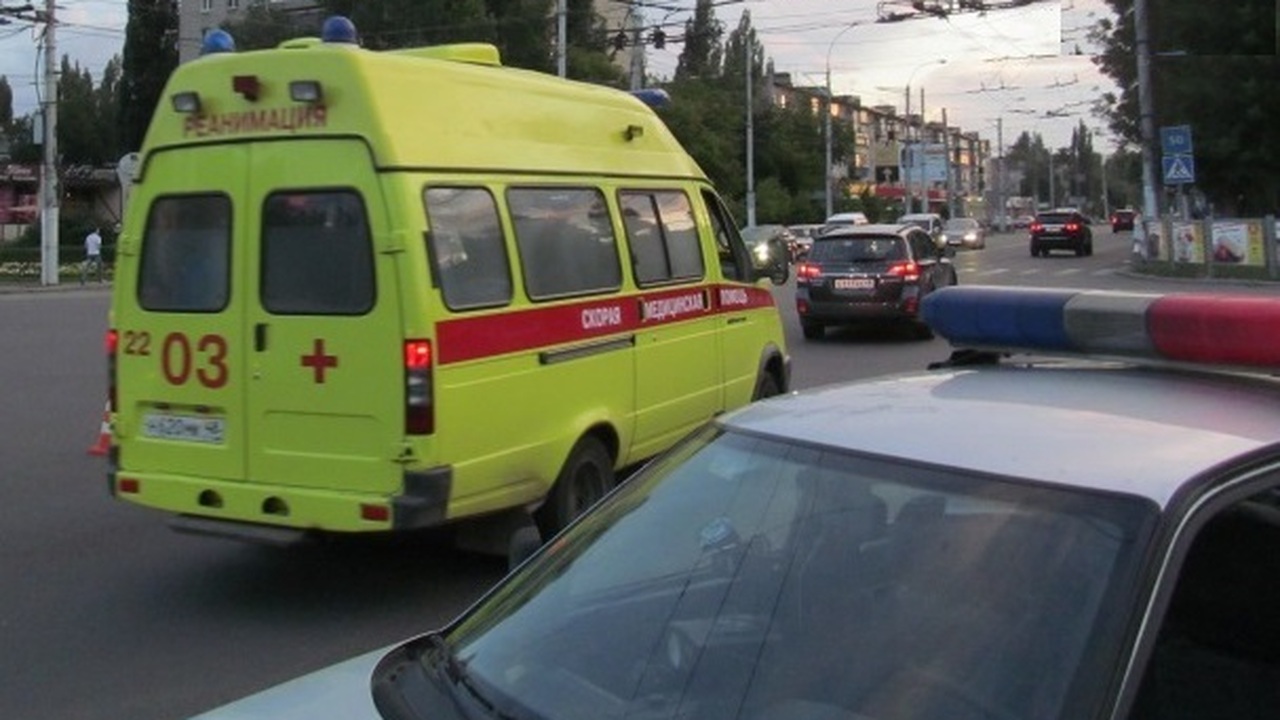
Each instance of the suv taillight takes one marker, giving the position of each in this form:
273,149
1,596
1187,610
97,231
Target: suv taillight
419,403
1037,227
907,270
807,271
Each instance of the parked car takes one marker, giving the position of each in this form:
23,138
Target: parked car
1091,548
1022,222
1122,220
1061,230
870,273
964,232
802,238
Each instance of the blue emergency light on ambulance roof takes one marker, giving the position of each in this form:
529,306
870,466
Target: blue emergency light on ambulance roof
339,29
217,41
653,97
1204,329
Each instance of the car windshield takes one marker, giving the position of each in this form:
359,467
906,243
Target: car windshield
744,577
857,249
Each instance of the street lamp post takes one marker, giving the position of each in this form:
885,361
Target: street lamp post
908,159
826,125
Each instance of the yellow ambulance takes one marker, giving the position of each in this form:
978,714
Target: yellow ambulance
367,291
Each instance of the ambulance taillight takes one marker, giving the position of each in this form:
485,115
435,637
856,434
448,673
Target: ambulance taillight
419,405
112,344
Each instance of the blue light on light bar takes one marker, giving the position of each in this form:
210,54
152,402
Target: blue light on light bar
980,316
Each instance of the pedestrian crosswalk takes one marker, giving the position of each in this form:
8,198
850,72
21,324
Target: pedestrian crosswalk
970,272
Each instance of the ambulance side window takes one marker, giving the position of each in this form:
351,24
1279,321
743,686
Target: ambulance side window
186,251
735,263
467,253
662,235
317,257
566,242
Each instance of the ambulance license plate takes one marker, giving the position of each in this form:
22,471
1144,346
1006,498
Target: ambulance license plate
164,426
855,283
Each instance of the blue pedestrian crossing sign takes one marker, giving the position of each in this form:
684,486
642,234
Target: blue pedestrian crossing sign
1179,169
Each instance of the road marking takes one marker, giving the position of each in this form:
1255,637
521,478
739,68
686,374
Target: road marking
1069,271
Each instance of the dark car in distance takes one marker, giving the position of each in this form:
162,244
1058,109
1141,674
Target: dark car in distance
870,274
1061,230
1122,220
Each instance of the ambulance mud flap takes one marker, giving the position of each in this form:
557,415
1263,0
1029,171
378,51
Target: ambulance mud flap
425,499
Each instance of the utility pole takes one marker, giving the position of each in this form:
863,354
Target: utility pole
751,141
1146,112
49,191
562,37
946,149
1001,220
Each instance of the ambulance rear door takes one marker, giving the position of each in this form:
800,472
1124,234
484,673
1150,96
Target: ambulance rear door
181,361
326,362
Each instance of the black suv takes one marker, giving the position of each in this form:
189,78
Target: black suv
870,273
1061,230
1122,220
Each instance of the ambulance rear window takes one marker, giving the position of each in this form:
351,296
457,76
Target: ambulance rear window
317,258
662,235
185,251
566,242
468,255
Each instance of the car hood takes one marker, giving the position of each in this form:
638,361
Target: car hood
338,692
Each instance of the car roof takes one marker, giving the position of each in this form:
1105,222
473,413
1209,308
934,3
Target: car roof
876,230
1106,423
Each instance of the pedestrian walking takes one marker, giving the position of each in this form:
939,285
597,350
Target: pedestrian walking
92,255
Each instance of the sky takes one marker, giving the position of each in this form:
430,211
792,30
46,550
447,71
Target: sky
1016,64
1013,65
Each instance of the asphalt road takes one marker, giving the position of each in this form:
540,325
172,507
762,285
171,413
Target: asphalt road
107,614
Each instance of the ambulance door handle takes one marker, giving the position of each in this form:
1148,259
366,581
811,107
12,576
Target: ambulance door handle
260,337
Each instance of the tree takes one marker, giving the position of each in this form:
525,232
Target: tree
520,27
701,56
1214,71
150,55
261,26
6,104
387,24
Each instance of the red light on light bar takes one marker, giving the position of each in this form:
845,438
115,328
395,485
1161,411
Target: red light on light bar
1213,329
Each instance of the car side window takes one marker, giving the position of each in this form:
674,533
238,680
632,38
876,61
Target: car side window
468,256
735,263
662,235
565,239
1217,651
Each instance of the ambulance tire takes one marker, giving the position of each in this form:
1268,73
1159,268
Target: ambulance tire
767,387
586,477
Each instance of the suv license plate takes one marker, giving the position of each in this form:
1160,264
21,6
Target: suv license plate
854,283
163,426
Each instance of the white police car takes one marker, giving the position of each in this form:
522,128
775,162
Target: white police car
996,537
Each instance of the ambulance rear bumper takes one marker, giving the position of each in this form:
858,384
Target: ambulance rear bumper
277,514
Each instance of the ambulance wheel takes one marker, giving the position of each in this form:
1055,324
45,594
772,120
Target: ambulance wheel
586,477
767,387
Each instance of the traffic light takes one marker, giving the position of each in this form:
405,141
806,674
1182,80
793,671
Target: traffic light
620,41
658,38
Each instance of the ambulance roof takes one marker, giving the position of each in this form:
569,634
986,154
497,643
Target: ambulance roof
448,107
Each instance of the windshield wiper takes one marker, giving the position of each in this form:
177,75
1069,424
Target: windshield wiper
456,672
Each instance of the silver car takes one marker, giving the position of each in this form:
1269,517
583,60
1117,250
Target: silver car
1004,535
964,232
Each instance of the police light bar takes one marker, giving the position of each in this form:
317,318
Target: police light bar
1200,328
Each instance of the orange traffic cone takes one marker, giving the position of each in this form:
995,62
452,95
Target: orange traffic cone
104,433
